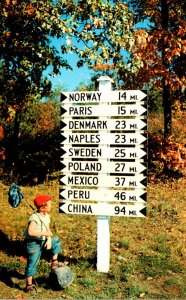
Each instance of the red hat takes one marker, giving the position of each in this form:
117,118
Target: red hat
41,199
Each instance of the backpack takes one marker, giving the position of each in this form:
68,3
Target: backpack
15,195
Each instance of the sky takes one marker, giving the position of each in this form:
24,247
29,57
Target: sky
69,80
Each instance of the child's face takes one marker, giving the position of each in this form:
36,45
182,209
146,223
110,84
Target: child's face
48,207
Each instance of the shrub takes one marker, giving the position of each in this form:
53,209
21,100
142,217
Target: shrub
167,155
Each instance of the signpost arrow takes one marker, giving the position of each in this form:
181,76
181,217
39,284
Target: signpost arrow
138,181
112,195
103,96
128,110
64,96
136,138
104,124
103,166
102,209
107,152
63,110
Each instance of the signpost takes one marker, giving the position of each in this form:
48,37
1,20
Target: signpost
103,157
121,180
103,124
103,166
101,110
119,195
103,209
102,96
135,138
117,153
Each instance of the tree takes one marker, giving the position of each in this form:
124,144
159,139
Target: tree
100,32
161,48
2,152
26,30
104,33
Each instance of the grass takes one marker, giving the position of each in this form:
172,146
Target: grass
147,255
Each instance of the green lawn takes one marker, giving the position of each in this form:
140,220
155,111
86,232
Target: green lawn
147,255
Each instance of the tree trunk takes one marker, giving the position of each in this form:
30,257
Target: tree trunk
167,104
15,144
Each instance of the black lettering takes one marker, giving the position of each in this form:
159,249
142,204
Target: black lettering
133,140
132,212
87,124
80,111
82,180
85,97
70,193
71,124
78,194
69,207
79,208
132,183
85,152
132,198
70,151
133,112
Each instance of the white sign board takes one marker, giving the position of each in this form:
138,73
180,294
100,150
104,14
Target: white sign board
101,110
118,153
103,166
113,195
137,181
136,138
103,209
100,97
103,124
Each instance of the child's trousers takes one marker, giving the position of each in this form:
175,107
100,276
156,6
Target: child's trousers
34,250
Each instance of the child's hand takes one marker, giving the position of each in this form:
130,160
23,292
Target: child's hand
48,233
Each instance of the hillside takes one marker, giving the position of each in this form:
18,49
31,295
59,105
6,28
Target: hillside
147,255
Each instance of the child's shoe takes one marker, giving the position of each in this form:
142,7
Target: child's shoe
56,264
31,289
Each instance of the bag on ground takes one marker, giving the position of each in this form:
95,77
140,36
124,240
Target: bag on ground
61,277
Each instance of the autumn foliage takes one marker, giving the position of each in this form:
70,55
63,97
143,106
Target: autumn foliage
161,42
104,35
149,52
166,156
1,132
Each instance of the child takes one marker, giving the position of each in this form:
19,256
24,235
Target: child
36,236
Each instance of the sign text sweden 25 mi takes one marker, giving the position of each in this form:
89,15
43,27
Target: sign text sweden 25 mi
135,152
98,96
